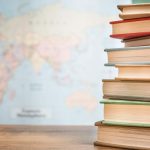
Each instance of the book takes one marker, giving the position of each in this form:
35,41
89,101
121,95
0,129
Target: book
131,28
129,55
127,111
131,72
139,1
134,42
130,137
127,89
134,11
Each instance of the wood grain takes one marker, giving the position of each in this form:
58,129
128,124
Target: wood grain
15,137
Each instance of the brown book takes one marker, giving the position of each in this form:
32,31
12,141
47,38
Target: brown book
134,11
127,89
129,137
131,72
141,41
130,55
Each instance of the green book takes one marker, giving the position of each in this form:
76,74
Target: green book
140,1
130,124
126,113
123,102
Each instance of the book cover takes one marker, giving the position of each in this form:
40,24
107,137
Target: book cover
124,102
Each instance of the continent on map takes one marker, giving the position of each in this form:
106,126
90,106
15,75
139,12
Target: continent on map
47,35
82,99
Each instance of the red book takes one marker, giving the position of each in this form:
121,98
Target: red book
132,28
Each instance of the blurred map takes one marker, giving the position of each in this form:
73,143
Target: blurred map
51,60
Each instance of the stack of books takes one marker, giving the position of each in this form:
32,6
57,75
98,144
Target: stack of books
126,123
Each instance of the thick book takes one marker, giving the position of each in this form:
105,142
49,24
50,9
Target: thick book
131,72
130,137
129,55
129,112
136,90
135,42
131,28
134,11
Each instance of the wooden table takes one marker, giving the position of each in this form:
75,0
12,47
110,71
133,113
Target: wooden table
48,138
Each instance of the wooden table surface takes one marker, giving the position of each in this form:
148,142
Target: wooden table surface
15,137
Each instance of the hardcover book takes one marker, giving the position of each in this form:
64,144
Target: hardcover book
127,89
130,55
131,112
134,42
132,72
131,28
131,11
129,137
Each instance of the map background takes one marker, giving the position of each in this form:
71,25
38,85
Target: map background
52,60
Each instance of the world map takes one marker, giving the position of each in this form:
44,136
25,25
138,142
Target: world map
51,62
